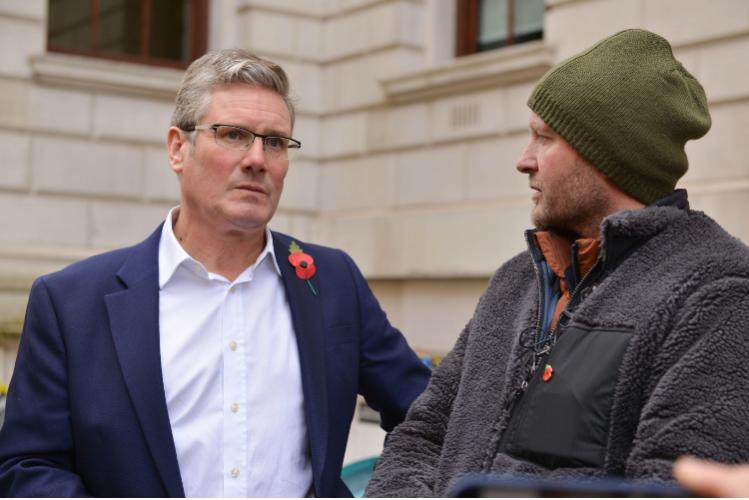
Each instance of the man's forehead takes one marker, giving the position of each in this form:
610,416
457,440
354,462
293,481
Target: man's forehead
231,101
536,123
239,91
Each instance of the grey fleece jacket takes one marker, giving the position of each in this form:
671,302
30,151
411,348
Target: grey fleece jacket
680,286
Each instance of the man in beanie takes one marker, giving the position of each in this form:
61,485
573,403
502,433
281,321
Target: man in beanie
618,342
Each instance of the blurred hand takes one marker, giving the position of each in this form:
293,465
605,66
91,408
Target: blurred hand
712,479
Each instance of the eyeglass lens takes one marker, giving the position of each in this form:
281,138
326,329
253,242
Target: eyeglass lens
240,139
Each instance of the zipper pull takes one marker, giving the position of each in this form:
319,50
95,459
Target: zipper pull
543,352
521,389
512,399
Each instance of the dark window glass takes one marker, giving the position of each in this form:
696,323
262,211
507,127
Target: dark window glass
162,32
69,23
119,26
527,20
489,24
168,40
493,22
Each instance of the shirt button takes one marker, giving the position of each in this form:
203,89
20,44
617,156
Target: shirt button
234,407
234,472
233,345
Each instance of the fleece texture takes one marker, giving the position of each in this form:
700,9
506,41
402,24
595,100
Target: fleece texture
682,288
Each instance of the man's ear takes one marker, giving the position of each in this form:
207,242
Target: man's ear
176,142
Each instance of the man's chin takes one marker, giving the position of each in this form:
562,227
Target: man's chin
544,223
539,220
249,220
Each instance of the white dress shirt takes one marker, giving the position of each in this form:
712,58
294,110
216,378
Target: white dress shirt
231,376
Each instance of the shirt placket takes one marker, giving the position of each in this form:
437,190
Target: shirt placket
235,396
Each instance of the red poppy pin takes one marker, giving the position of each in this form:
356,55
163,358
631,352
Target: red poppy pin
303,263
548,373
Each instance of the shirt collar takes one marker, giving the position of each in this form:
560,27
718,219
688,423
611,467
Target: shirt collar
172,255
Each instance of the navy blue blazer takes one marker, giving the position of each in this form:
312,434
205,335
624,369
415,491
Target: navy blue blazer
86,412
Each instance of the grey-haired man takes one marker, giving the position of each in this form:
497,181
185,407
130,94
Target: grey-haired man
216,358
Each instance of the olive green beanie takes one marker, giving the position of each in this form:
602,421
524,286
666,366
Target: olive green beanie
628,107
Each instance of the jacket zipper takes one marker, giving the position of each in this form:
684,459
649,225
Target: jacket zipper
550,339
538,357
518,391
572,303
516,395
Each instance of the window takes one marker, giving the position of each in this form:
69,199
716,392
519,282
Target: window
157,32
490,24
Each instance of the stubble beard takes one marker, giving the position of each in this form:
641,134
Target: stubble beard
575,207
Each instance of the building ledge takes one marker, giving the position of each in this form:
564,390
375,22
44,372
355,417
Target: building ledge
10,329
110,76
21,264
525,62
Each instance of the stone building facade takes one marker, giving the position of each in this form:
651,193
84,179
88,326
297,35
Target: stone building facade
408,151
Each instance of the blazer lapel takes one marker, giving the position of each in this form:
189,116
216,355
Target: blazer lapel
306,315
134,319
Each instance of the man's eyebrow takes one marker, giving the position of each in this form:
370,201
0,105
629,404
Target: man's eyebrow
540,128
271,132
276,133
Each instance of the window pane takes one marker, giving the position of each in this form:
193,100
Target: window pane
119,26
492,21
70,24
170,29
528,17
161,32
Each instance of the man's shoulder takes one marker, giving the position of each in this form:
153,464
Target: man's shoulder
700,242
515,275
519,265
712,233
96,264
106,265
285,242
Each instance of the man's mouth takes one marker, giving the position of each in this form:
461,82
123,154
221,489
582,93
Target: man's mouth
255,188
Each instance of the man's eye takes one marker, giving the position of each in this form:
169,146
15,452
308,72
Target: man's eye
232,135
275,143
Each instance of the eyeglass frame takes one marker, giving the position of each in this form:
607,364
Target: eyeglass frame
293,143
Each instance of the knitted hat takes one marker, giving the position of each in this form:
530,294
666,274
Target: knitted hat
628,107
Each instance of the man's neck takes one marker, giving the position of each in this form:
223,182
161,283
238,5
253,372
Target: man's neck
618,202
226,253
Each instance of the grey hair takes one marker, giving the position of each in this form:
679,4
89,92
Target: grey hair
220,68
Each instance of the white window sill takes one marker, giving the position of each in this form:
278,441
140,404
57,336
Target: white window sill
520,63
110,76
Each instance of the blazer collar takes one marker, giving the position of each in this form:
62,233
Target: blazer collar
306,315
134,320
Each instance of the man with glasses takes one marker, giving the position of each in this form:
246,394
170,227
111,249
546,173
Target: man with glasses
217,358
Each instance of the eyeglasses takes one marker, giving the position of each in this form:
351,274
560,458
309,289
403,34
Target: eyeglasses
235,138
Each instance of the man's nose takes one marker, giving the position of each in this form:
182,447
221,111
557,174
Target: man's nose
254,157
527,163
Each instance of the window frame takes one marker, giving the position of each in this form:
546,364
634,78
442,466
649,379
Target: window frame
198,38
467,32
